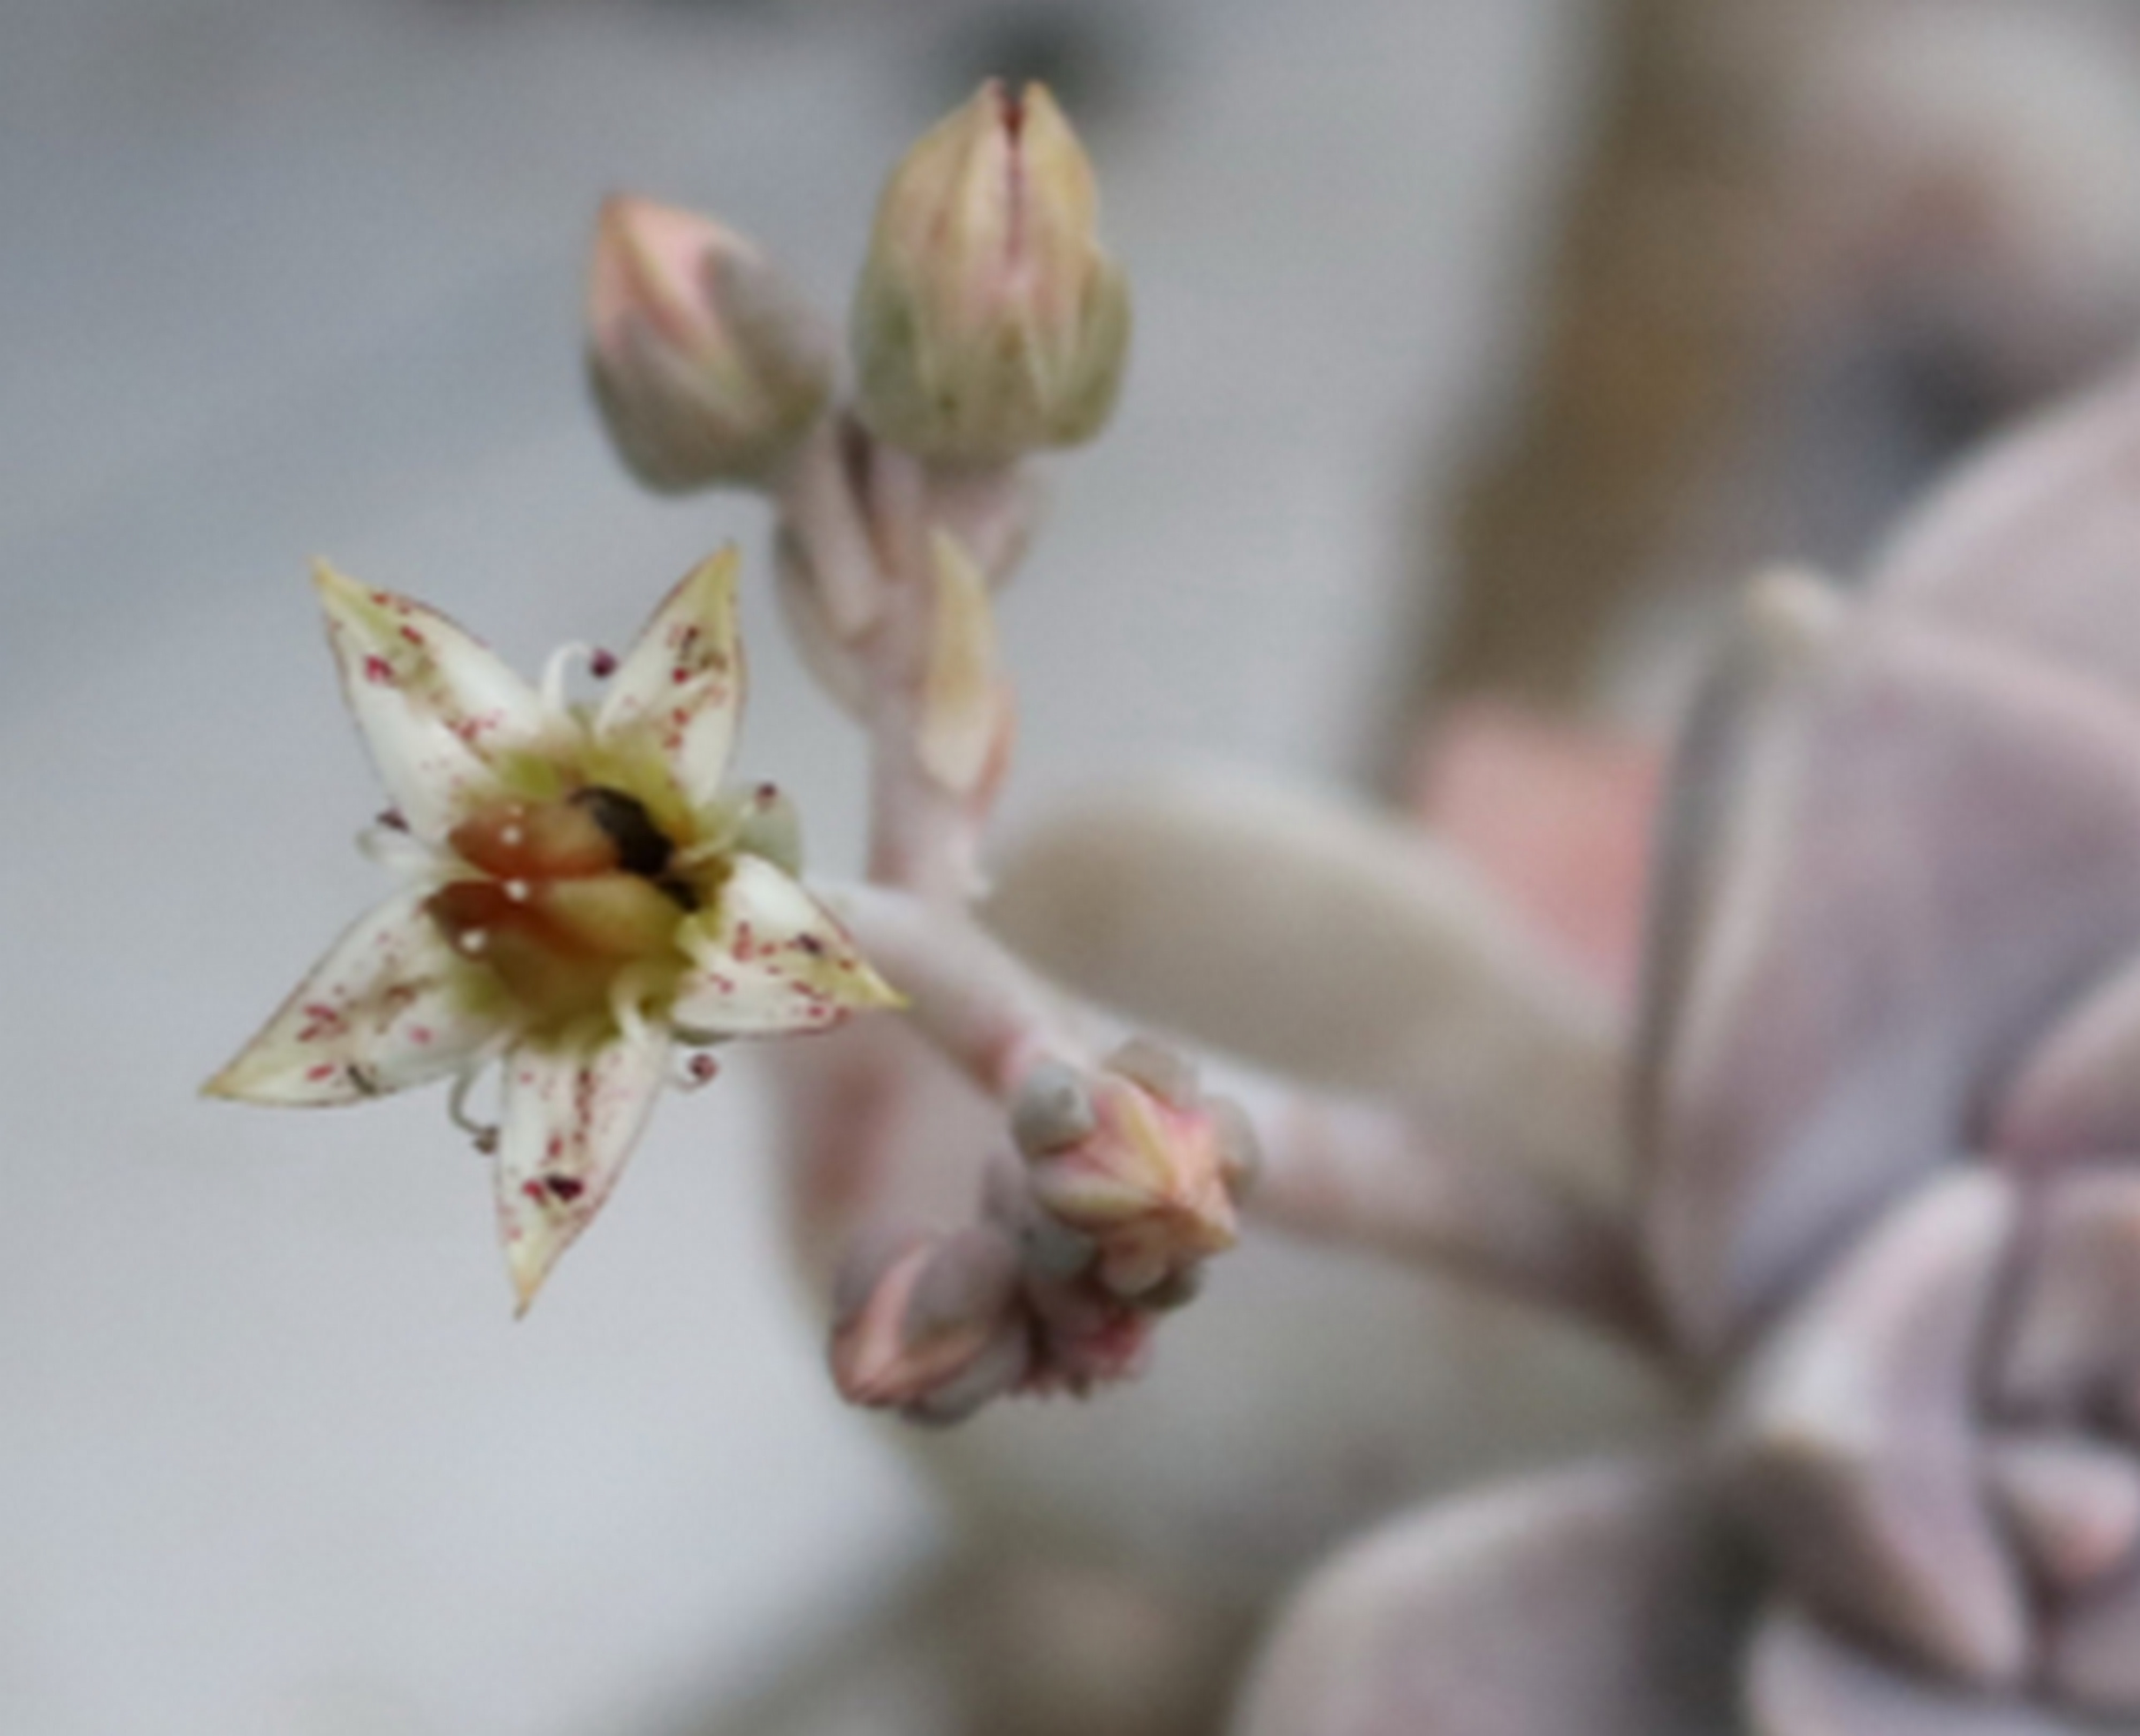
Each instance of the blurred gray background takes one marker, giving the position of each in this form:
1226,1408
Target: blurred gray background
289,278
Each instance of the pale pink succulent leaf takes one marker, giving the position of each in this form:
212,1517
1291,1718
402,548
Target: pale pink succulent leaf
1734,747
1948,845
2067,1357
1851,1447
768,959
391,1005
2038,542
2071,1503
1805,1681
1603,1601
574,1107
438,710
2078,1095
2093,1649
679,689
1357,954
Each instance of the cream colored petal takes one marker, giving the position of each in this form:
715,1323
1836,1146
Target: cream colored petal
390,1006
573,1109
768,958
438,710
680,687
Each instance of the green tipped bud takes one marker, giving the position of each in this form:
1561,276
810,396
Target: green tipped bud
708,365
989,322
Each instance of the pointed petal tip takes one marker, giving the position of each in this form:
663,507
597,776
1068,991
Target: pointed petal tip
526,1287
720,566
867,991
530,1258
680,687
332,584
239,1082
1037,106
712,583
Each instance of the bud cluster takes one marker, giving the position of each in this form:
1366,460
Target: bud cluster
989,322
1126,1182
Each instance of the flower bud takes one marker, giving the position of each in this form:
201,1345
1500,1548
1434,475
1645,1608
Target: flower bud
1147,1174
989,322
708,364
930,1327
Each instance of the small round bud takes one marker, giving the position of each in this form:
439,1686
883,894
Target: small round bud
707,363
1053,1110
989,322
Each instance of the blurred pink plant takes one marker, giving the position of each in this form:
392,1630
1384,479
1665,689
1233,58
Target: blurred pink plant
1557,815
1885,1097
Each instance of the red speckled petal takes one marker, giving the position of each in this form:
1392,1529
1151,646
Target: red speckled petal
574,1109
768,958
681,686
390,1006
435,706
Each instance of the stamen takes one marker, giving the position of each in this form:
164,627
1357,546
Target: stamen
387,844
484,1133
695,1073
628,992
560,662
642,847
698,854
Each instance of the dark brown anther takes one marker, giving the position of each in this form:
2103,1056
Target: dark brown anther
641,846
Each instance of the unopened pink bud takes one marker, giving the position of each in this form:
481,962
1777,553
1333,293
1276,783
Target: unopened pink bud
930,1327
1148,1177
989,322
708,364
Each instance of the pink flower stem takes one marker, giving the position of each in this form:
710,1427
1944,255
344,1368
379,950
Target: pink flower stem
986,1012
1335,1170
863,515
1374,1180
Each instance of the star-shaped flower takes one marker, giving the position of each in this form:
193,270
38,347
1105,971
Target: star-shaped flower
581,900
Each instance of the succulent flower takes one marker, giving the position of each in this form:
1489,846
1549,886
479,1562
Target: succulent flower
1889,1207
581,898
989,322
708,364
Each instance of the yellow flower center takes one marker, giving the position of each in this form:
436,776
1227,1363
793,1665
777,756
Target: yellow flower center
566,896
